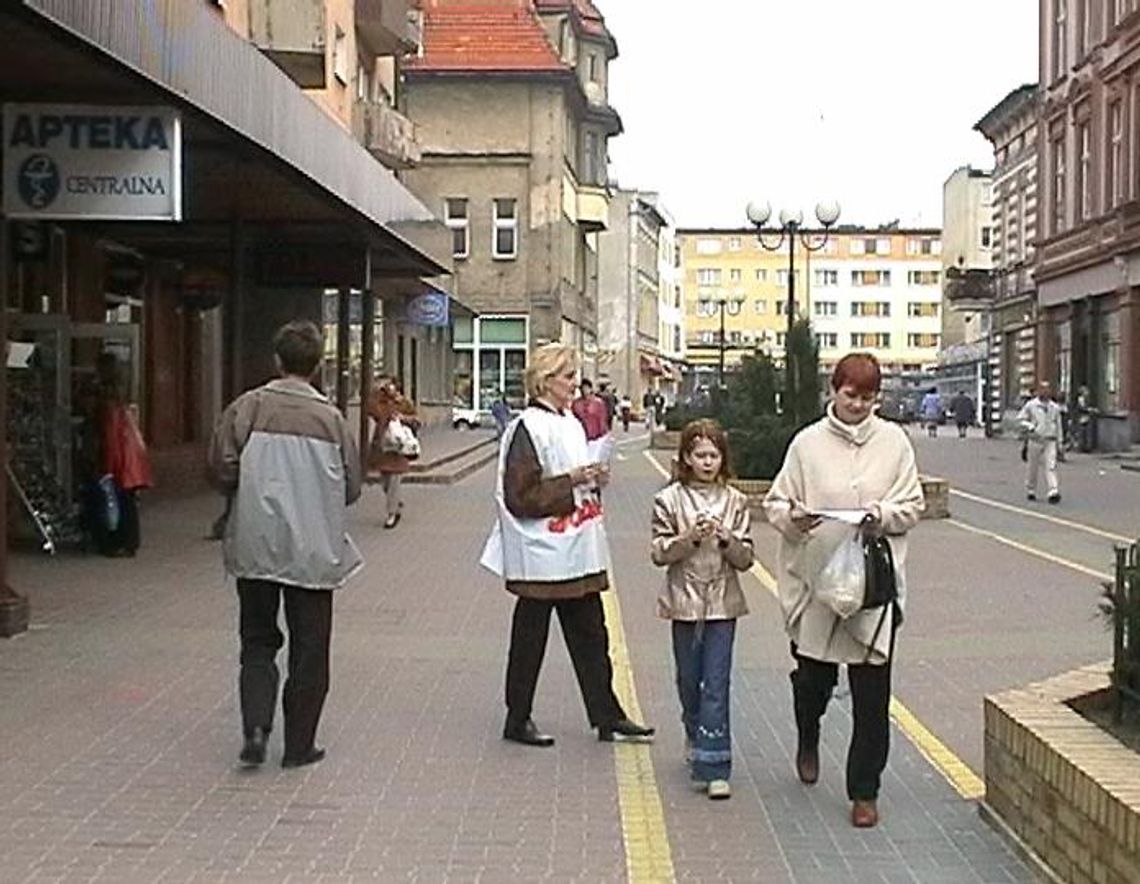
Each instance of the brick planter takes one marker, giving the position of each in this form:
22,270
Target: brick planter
1068,791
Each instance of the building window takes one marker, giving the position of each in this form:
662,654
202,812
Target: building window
592,64
871,340
1060,36
883,246
1058,194
1084,171
826,277
734,274
870,277
592,166
922,339
923,277
455,217
708,246
1084,28
734,243
987,237
855,247
708,276
782,307
761,275
760,305
825,308
1115,183
870,308
780,338
782,277
340,56
827,340
924,246
732,308
505,239
921,308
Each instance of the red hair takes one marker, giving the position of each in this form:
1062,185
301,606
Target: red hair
859,370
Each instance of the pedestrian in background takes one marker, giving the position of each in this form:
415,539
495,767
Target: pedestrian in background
590,411
850,459
123,460
285,454
701,533
932,412
625,409
1040,422
608,397
389,464
549,545
962,407
500,413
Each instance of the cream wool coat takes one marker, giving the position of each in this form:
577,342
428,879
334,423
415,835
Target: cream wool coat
832,465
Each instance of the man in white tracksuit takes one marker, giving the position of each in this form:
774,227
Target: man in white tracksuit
1040,420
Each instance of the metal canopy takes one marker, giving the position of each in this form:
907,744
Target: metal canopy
234,102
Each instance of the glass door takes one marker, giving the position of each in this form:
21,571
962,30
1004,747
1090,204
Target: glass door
490,377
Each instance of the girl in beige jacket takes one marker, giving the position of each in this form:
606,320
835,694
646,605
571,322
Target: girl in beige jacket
848,460
701,534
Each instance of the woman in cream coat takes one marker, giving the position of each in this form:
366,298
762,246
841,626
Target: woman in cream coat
848,460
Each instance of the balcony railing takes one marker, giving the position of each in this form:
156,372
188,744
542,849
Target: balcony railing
292,34
388,27
388,135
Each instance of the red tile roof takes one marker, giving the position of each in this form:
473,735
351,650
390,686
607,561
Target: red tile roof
502,36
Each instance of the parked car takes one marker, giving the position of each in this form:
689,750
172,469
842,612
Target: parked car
465,418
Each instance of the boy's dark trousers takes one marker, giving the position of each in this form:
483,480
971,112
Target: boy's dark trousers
308,615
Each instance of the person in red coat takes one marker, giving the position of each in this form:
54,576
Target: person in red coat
591,412
122,456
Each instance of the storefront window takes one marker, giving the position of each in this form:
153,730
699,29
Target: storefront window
502,331
463,390
489,363
514,382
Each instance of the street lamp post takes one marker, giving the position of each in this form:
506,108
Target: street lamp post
722,303
791,229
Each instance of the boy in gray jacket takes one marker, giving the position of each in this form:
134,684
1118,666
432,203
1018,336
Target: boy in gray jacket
285,454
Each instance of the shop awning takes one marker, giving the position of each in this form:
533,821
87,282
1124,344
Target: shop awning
257,147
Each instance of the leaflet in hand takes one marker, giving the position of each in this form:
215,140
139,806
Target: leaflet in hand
850,517
601,450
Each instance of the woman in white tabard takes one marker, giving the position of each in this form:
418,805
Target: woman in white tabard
849,460
549,545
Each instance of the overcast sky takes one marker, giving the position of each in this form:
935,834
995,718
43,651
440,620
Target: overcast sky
871,103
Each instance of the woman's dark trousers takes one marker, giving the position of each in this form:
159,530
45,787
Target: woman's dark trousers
308,615
812,684
584,628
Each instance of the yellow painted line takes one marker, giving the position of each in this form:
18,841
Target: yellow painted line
965,782
1032,551
648,856
1022,511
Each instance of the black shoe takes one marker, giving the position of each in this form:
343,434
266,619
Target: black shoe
311,757
392,521
624,729
527,733
1054,498
1030,496
253,752
807,765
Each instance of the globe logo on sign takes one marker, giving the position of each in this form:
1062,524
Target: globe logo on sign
38,181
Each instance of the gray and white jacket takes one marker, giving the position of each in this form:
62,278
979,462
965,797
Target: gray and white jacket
1040,419
286,454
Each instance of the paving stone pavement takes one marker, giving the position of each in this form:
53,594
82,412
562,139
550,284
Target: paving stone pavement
120,731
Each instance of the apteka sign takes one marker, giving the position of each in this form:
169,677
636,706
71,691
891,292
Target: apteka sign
92,162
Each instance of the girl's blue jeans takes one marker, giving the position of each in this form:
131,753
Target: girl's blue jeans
703,655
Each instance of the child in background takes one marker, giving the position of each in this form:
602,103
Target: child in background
701,534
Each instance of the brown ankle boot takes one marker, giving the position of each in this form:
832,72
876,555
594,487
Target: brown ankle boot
807,765
864,814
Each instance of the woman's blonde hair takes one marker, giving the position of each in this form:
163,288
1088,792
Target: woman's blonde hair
546,362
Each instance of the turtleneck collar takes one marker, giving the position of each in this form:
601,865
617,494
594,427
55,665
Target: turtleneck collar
857,434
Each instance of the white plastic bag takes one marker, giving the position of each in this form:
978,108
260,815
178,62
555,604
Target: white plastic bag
841,583
399,438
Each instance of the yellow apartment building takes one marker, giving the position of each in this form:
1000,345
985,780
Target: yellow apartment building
865,289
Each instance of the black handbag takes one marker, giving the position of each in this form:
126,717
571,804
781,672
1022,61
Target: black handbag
880,586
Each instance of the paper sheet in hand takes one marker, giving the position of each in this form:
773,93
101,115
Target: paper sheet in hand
851,517
601,450
19,354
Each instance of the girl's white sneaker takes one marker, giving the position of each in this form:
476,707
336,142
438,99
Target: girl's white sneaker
719,790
